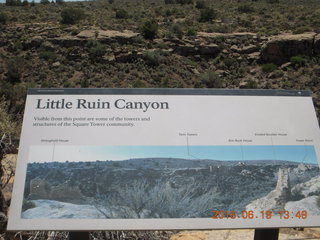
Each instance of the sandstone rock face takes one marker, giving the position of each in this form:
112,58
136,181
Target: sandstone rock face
100,35
275,200
281,48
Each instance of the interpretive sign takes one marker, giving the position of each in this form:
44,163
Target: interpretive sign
114,159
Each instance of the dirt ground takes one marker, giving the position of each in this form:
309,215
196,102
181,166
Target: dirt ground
245,234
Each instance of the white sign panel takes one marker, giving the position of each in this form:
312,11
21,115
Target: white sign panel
166,159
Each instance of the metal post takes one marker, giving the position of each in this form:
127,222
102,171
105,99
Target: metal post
79,236
266,234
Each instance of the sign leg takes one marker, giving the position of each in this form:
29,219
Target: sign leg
79,236
266,234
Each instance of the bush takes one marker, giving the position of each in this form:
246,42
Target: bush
150,29
25,3
211,80
298,61
121,13
251,84
207,15
13,2
139,84
96,52
246,8
60,2
71,15
200,4
3,18
153,58
268,67
14,69
48,56
176,29
191,32
228,62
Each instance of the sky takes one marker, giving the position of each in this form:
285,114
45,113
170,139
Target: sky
305,154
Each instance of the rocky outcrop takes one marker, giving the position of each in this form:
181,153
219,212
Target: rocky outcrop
50,209
275,200
308,204
309,188
204,50
281,48
40,189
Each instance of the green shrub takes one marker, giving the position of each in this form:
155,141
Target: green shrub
200,4
268,67
84,83
72,15
60,2
153,58
139,84
48,56
27,205
3,18
245,8
251,84
303,29
176,29
14,69
207,15
122,14
211,80
150,29
191,32
96,52
298,61
228,62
